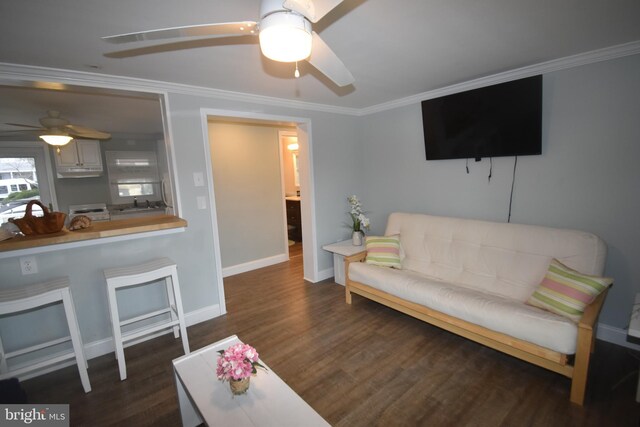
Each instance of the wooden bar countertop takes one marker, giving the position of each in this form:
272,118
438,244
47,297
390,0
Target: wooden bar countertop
97,230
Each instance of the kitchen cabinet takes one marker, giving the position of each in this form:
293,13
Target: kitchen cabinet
80,157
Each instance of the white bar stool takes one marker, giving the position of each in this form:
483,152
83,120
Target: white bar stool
123,277
15,300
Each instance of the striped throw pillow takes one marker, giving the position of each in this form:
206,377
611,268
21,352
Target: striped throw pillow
567,292
383,251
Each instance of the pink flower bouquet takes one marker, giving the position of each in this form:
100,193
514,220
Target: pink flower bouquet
237,362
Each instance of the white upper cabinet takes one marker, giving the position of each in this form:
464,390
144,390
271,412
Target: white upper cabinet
79,158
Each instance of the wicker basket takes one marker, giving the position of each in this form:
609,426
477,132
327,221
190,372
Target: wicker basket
51,222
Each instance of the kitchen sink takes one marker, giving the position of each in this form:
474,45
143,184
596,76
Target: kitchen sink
133,212
138,209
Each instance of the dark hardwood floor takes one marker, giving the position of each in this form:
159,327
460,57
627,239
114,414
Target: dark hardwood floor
357,365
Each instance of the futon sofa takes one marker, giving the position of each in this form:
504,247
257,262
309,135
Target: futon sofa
476,278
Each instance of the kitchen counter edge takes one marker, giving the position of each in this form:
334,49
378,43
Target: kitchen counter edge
99,232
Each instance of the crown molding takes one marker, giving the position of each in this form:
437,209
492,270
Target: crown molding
16,74
577,60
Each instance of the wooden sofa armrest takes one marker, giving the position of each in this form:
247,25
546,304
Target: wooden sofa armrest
584,348
359,257
592,311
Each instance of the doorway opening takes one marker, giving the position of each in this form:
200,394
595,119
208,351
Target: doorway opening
300,127
290,168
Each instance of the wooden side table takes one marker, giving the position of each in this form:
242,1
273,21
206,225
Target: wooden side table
341,250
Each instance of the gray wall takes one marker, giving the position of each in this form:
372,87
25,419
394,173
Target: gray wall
586,177
248,189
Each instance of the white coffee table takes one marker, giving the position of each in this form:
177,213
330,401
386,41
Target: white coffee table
268,402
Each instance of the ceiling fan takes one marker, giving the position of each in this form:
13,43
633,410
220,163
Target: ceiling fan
284,30
56,130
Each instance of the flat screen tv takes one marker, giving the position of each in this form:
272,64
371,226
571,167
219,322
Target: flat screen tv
493,121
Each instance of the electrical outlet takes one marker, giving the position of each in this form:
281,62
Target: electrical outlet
28,265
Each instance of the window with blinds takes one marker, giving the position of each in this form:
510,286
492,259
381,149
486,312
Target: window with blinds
133,174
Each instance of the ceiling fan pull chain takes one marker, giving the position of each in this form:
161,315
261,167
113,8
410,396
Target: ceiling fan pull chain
297,73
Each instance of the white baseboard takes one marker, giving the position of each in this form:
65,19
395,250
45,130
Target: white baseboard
253,265
202,314
325,274
615,336
98,348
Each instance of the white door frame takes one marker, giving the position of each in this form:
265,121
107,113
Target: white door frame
307,189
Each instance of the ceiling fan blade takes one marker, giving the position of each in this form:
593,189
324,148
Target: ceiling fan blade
313,10
225,29
323,58
83,132
24,126
25,131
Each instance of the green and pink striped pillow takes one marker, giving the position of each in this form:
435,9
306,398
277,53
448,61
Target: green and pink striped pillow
567,292
383,251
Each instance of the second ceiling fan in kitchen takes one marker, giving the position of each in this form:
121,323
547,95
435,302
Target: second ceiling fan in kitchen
56,130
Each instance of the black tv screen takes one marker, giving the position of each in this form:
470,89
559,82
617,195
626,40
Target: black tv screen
493,121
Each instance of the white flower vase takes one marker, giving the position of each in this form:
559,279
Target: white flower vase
357,238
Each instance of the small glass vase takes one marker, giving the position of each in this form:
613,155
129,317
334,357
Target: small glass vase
357,238
239,386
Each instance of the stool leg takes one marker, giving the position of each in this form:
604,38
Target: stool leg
76,340
178,297
172,304
84,355
117,333
113,327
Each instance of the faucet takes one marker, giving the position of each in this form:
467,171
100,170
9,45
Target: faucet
135,202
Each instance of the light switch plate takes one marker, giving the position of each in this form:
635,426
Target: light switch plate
198,179
202,202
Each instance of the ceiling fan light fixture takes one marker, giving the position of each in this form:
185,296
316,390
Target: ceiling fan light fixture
285,37
56,139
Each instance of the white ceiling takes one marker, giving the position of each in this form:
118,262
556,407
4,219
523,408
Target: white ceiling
394,49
